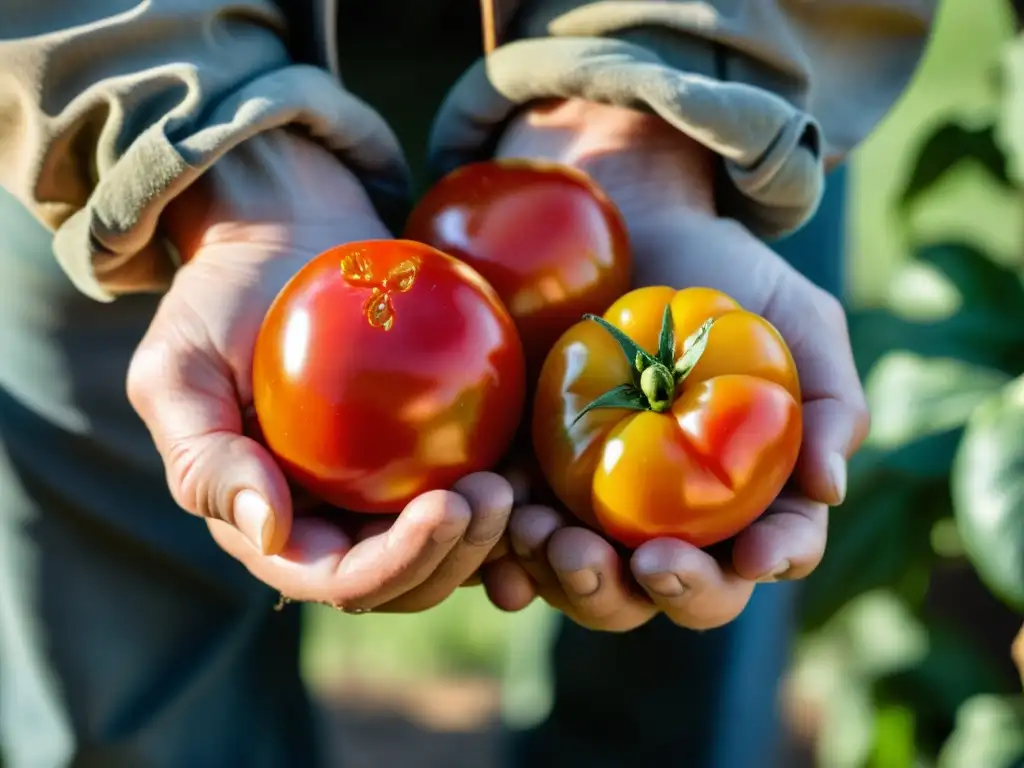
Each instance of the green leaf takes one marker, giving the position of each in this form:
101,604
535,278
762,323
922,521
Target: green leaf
927,459
634,352
667,339
987,484
835,669
880,537
923,461
825,682
894,737
950,277
912,397
989,732
947,147
693,348
983,283
1010,126
951,671
624,396
968,336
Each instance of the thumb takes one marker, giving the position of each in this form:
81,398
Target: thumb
186,397
836,417
833,429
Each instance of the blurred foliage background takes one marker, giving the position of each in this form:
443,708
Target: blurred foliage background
904,653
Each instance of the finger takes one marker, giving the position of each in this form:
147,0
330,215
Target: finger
835,410
371,527
530,529
323,563
490,502
508,585
307,566
188,403
689,585
499,551
833,430
384,566
595,582
787,542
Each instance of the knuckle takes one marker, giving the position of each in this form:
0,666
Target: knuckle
149,365
191,487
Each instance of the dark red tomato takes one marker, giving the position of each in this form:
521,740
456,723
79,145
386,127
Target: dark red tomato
545,236
385,369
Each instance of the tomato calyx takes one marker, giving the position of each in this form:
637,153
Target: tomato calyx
655,378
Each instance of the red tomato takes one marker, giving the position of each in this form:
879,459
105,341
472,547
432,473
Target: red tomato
545,236
676,414
385,369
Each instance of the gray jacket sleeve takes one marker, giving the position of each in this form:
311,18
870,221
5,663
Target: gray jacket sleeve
109,109
779,90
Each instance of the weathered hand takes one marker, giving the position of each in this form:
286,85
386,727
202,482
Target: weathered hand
190,381
662,182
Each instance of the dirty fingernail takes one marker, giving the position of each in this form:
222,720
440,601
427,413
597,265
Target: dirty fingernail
776,573
583,582
665,584
254,519
837,474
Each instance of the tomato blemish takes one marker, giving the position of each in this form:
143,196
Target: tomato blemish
357,271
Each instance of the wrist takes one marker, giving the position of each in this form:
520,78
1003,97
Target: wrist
263,192
638,158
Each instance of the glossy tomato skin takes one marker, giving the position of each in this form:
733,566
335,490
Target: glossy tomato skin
385,369
548,239
701,471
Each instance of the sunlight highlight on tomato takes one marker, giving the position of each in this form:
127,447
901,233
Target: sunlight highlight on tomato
545,236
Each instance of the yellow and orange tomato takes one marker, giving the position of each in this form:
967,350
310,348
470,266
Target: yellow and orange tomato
676,414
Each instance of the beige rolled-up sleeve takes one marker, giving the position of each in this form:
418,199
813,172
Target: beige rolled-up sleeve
110,108
778,90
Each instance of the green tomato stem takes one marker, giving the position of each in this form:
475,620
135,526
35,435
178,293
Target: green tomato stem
655,379
659,387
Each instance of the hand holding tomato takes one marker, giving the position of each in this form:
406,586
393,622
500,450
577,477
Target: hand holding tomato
191,382
662,183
